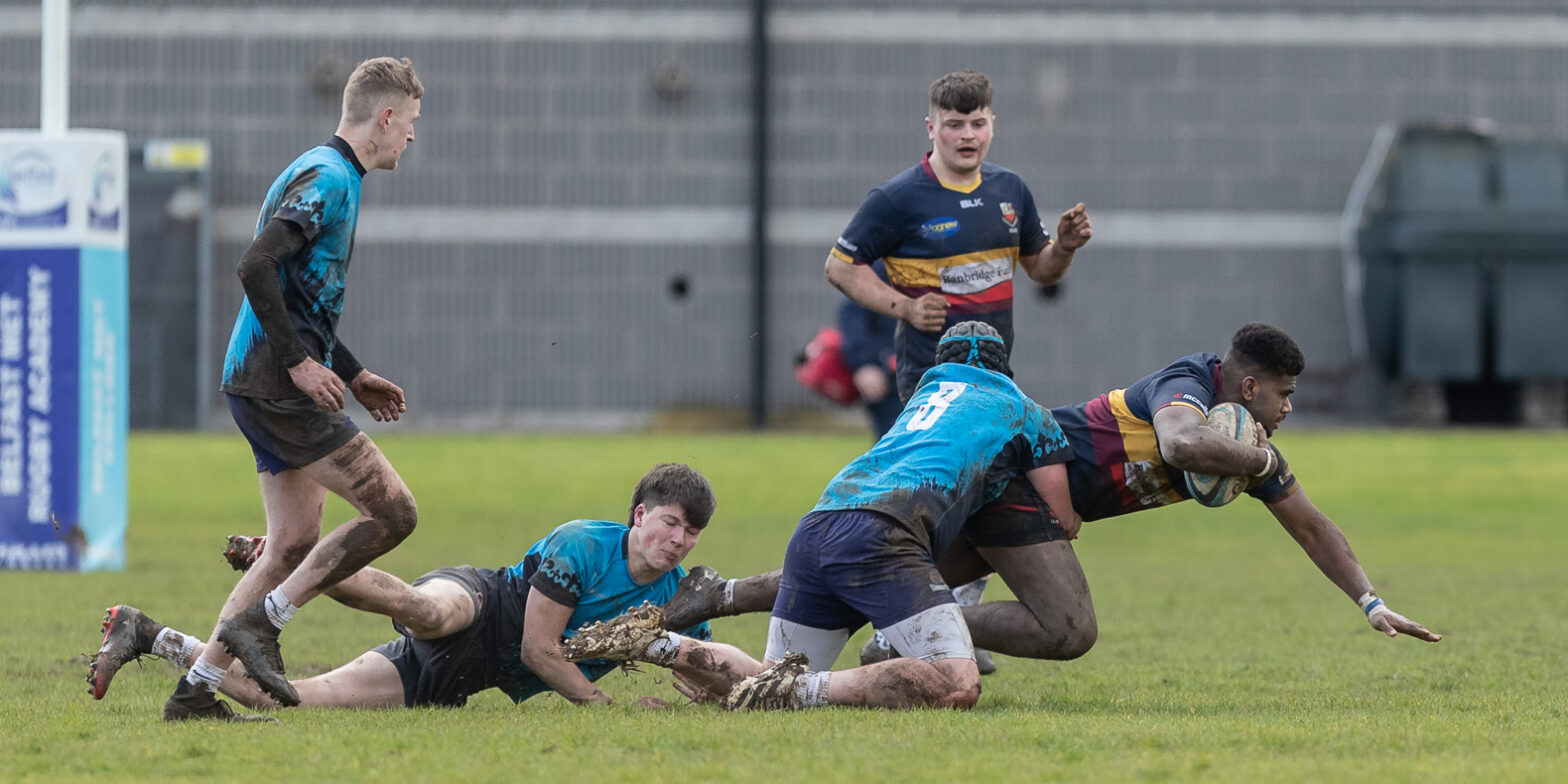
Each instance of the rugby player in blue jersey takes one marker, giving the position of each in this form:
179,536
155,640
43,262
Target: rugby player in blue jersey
1132,450
464,630
868,551
952,230
285,375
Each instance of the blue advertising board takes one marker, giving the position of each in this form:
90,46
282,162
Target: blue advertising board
63,374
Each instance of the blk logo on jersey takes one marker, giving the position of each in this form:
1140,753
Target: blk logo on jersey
969,204
1008,214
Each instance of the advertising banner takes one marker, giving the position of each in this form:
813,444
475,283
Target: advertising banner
63,368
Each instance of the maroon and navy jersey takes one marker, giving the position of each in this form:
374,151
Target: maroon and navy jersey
963,244
1117,466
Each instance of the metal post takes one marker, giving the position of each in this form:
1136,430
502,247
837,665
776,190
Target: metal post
760,82
54,104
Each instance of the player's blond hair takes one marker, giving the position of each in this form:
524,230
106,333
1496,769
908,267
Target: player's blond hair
379,82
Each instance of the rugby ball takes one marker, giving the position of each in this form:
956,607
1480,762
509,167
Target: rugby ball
1233,422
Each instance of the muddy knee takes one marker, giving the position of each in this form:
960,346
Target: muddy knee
396,515
1080,635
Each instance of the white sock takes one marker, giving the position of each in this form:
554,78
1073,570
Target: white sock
173,646
812,688
729,594
205,674
970,595
279,608
664,650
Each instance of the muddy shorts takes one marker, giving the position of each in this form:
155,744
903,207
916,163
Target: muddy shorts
289,433
446,671
1017,518
843,568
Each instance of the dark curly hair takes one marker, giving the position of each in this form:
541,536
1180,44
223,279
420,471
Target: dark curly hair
1267,348
973,343
675,484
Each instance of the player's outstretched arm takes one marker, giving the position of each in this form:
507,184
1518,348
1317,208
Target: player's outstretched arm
1326,545
544,620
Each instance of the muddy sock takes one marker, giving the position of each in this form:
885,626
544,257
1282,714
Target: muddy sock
205,674
664,650
279,608
811,688
174,646
729,596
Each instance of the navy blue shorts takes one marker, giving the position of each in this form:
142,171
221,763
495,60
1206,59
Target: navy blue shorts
844,568
290,433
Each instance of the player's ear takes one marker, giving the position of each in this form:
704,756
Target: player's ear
638,514
1249,388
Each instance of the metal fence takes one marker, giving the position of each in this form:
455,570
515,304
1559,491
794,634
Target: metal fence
571,238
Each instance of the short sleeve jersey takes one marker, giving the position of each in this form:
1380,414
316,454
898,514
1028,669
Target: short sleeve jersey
581,564
963,244
965,433
1118,468
319,193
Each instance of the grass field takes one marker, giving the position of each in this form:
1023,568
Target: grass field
1223,654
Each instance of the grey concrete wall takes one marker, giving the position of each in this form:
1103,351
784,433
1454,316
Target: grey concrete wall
522,258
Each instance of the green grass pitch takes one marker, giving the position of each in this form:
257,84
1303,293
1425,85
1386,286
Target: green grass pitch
1223,654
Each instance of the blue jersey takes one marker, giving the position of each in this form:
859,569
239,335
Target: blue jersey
1118,467
965,433
319,193
961,243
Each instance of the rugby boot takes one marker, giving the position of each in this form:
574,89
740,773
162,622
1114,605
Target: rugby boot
771,689
250,637
194,702
622,638
699,597
984,662
128,634
242,551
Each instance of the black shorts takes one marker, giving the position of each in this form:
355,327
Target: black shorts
446,671
289,433
1017,518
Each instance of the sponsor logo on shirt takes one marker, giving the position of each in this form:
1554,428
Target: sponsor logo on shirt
976,277
970,203
1193,400
937,228
847,245
1008,214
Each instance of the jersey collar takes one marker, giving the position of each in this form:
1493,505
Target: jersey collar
347,152
925,166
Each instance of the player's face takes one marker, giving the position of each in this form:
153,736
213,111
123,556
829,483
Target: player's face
1270,402
397,132
666,536
960,141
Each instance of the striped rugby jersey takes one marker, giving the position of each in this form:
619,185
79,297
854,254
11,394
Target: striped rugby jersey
1117,466
963,244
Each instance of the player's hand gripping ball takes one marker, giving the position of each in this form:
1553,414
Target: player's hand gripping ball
1233,422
